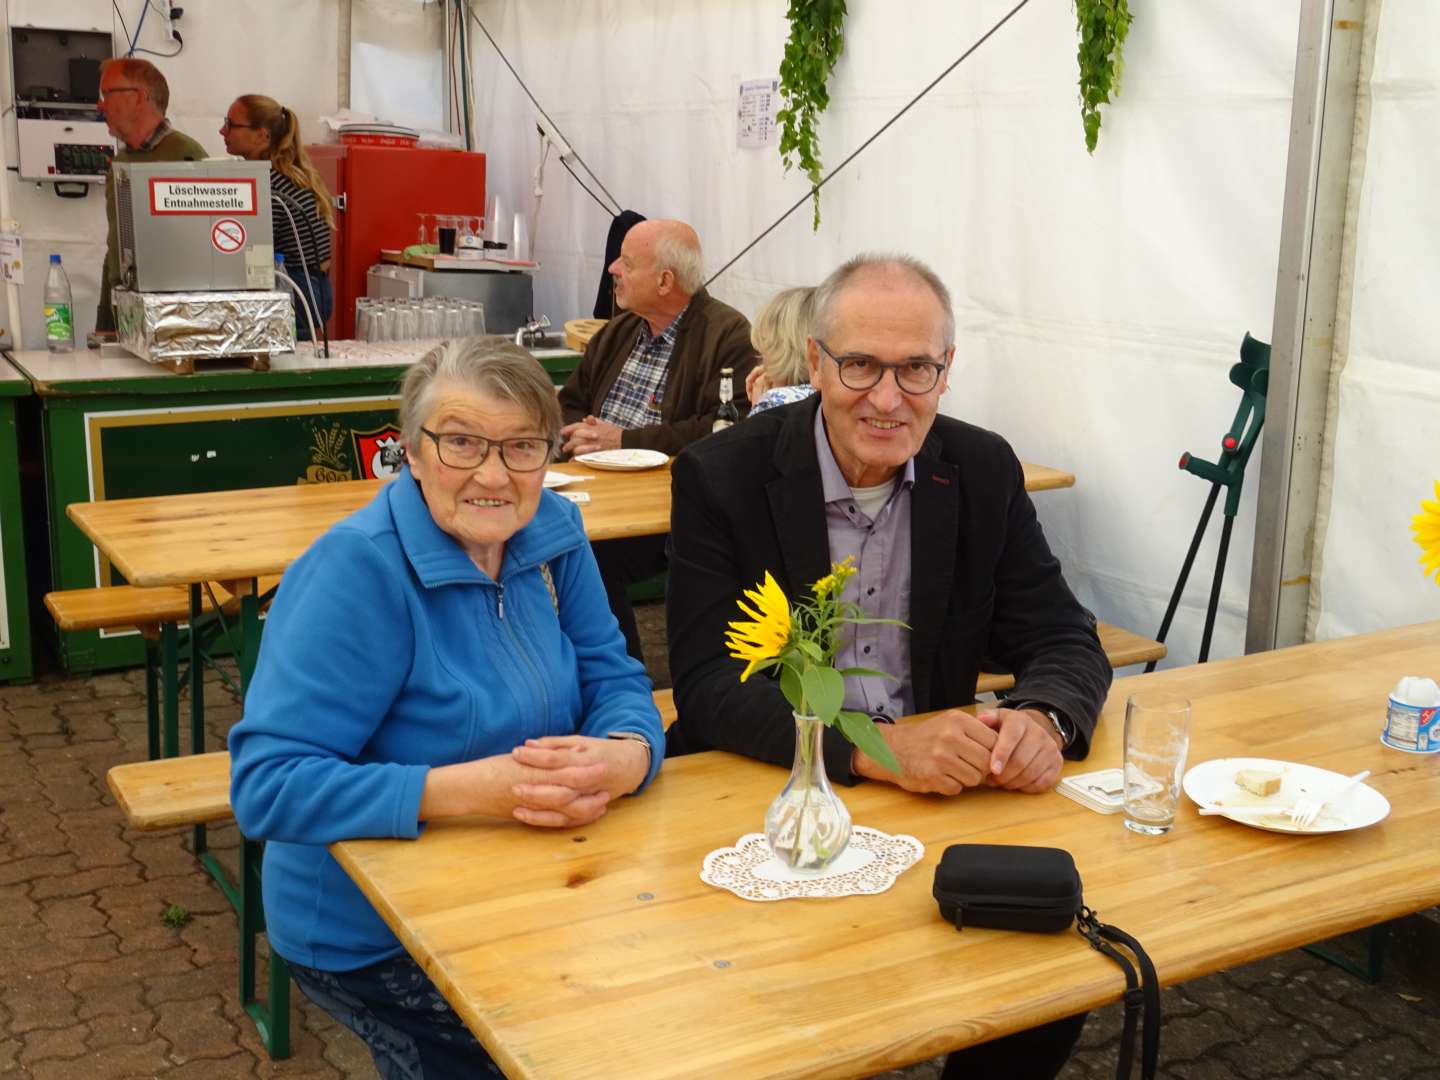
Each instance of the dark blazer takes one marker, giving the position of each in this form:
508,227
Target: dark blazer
713,335
984,583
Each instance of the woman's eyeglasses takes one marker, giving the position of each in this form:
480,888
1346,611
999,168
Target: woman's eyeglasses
460,450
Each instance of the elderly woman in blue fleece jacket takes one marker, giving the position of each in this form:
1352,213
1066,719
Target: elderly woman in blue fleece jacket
446,650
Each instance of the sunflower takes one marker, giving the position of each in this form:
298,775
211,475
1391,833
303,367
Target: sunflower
1426,527
766,636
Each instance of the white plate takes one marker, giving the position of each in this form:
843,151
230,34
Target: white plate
624,460
1212,783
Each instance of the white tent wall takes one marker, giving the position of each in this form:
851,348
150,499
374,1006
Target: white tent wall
285,49
397,68
1384,458
1100,300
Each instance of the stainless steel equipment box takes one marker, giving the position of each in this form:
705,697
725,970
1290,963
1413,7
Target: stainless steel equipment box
194,226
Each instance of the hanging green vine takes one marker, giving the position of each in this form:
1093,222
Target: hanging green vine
1103,25
816,41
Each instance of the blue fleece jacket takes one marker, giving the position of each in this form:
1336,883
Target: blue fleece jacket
386,652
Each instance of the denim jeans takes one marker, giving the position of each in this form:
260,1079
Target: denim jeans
323,299
410,1029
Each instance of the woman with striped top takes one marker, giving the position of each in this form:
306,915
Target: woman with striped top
260,128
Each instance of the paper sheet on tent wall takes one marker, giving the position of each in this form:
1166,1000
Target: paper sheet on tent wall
12,266
755,123
399,87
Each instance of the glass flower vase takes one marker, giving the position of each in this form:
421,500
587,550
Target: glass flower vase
807,826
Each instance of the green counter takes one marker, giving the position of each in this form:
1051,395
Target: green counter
15,658
116,427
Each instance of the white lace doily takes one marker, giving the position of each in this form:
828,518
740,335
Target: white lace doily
870,864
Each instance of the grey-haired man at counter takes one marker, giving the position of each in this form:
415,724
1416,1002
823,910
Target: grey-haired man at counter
650,378
133,99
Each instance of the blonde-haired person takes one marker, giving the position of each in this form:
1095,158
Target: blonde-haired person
779,334
259,128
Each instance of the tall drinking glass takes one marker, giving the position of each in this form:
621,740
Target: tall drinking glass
1157,738
476,311
377,325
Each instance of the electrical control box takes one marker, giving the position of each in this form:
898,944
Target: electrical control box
59,129
194,226
68,149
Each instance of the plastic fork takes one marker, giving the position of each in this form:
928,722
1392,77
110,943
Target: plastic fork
1307,808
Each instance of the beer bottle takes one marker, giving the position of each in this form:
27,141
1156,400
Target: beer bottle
728,415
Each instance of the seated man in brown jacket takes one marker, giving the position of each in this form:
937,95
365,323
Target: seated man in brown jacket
651,378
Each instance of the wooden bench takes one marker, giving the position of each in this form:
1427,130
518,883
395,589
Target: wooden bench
1121,646
156,613
119,607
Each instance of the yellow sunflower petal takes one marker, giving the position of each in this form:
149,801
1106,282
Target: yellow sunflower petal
767,632
1425,527
750,667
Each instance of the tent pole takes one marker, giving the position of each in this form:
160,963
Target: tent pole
1317,177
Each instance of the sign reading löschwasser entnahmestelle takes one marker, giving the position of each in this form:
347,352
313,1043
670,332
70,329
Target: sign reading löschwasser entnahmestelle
207,195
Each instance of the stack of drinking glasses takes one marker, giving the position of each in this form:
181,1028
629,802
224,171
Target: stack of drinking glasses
417,318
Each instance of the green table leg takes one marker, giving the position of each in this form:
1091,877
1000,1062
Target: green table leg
197,674
197,709
152,699
1375,941
272,1018
169,673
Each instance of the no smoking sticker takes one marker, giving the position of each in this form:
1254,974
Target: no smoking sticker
228,236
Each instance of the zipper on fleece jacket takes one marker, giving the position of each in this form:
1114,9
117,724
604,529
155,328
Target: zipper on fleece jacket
521,651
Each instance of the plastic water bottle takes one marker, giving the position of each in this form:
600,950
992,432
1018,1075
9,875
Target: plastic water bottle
59,309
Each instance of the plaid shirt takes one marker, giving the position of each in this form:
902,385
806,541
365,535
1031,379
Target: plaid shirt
634,400
161,130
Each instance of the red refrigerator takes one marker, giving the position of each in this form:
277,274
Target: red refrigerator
384,188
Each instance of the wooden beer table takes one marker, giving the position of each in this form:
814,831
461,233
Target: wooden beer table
232,536
599,952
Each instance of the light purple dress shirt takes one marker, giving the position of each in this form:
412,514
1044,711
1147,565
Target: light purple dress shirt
881,549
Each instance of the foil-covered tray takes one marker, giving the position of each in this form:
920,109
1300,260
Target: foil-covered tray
164,327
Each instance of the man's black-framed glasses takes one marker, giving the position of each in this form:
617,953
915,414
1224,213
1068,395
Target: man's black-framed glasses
861,372
462,450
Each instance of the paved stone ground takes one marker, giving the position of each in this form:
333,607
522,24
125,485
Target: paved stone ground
95,984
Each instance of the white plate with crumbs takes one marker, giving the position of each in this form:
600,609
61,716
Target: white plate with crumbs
1212,783
624,460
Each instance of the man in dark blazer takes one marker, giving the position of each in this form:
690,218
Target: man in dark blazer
935,513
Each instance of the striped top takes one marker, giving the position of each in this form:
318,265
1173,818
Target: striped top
301,204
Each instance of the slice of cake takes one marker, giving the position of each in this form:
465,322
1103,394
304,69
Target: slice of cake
1261,782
